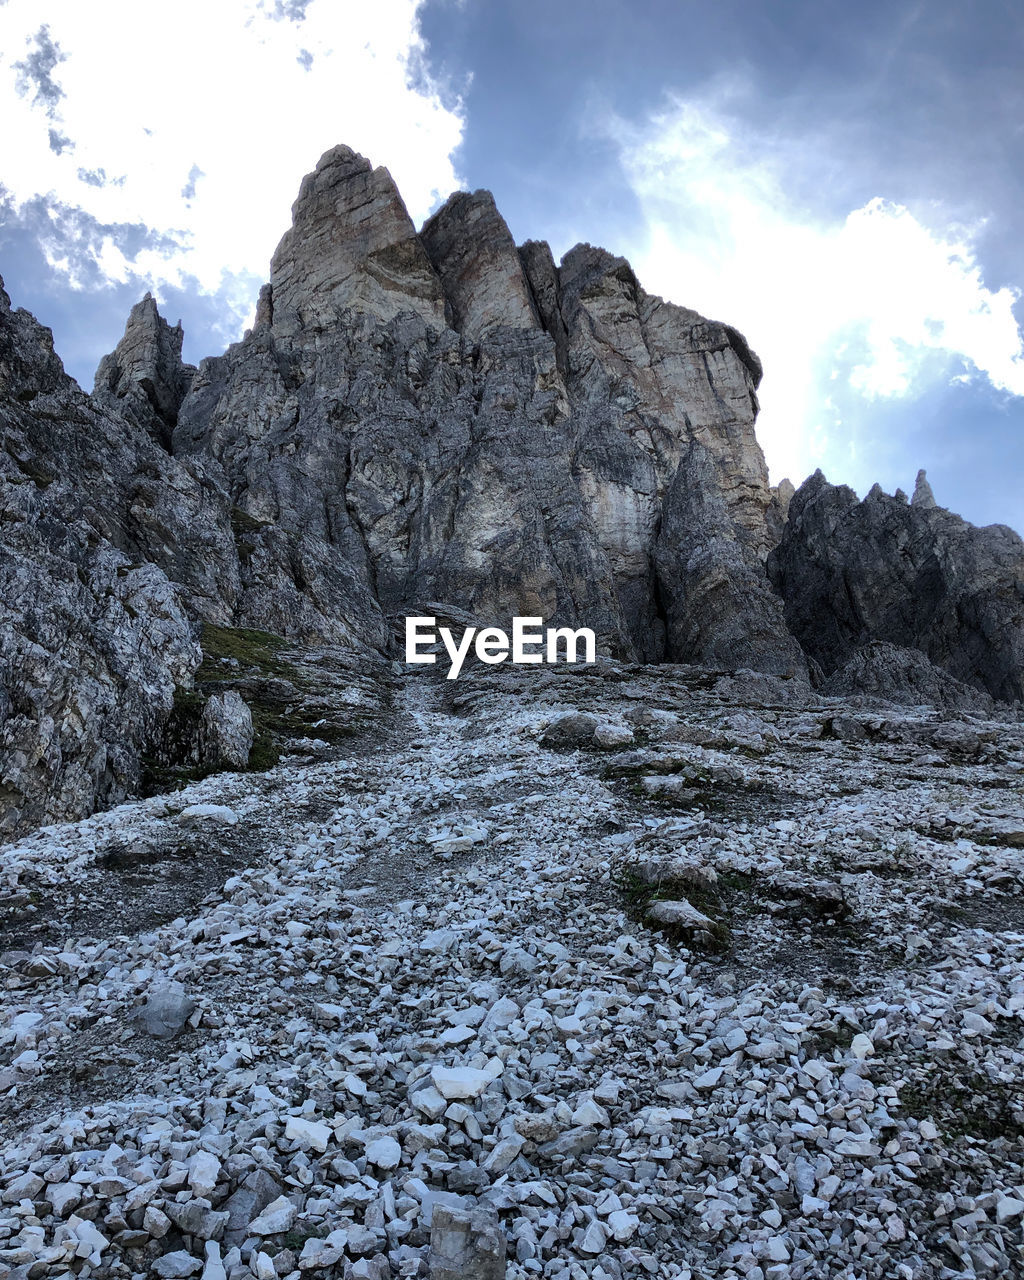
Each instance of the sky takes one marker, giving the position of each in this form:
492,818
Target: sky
841,182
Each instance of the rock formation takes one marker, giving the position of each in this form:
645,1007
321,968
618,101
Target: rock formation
144,378
432,416
504,986
94,637
485,429
914,575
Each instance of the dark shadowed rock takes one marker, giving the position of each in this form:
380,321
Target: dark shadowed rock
883,670
914,575
94,637
719,606
570,731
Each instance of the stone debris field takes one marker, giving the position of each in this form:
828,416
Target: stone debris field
603,972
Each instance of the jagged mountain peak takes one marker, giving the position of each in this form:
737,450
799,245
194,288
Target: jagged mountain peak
145,376
923,496
352,247
436,415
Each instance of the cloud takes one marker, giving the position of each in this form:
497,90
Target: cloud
844,308
75,244
36,70
163,153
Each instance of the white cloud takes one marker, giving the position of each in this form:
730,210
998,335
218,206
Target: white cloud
199,126
874,304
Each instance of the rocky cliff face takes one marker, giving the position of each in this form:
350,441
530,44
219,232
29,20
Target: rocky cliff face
454,419
94,637
436,416
911,574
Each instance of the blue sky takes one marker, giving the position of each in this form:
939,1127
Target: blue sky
842,182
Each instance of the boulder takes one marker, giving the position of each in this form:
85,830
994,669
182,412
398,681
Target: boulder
466,1244
225,731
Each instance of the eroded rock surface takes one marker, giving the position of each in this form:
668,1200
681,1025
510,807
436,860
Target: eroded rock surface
518,459
94,637
914,575
436,416
352,245
145,377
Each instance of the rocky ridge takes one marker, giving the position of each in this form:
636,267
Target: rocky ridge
436,415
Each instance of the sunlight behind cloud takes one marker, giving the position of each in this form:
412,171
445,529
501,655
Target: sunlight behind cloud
872,305
203,140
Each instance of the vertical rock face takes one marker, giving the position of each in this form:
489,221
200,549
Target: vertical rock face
883,670
658,391
144,377
352,246
514,460
226,731
477,261
545,290
717,600
916,576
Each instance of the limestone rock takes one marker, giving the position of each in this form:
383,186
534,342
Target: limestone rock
176,1265
569,731
166,1010
144,376
246,1202
528,479
454,1083
226,731
352,246
278,1216
476,258
545,290
94,636
681,916
916,576
720,609
466,1244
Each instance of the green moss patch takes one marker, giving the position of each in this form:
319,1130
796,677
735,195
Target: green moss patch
971,1107
641,893
259,650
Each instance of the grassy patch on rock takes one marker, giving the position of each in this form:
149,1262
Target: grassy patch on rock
289,701
967,1107
706,931
256,650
